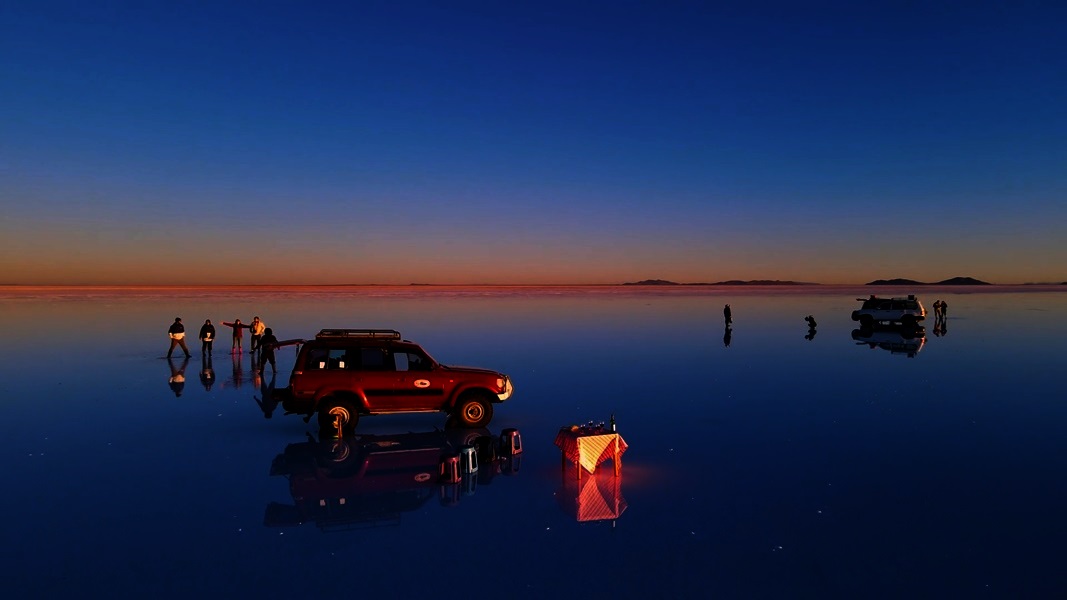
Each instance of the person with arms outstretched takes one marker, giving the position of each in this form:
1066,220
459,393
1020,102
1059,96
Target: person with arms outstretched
237,326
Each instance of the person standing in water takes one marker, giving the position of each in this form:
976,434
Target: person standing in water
207,337
177,337
727,314
257,329
237,326
266,350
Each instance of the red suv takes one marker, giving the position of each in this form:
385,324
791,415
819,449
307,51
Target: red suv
345,373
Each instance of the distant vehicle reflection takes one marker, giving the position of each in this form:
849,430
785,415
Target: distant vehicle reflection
371,480
896,339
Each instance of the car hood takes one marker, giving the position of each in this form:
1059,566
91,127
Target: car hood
471,370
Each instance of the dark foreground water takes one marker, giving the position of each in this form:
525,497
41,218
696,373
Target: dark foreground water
774,466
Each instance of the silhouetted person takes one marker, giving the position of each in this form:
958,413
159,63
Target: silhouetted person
177,376
944,310
268,403
266,350
238,336
207,336
726,335
177,337
207,374
810,320
727,314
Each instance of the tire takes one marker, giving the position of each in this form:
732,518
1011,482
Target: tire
473,411
866,321
337,408
908,321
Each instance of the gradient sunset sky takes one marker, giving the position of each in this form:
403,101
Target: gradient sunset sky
531,142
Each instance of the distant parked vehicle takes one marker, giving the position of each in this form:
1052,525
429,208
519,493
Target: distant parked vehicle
345,373
906,311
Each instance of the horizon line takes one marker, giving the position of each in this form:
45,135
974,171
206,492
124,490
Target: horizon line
730,283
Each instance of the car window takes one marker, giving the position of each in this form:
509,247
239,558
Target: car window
328,358
375,359
411,361
316,359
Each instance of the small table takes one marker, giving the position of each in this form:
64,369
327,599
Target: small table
588,448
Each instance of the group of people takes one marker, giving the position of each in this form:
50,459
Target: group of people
262,339
940,309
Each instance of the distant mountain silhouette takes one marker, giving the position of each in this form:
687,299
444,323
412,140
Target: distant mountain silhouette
895,282
730,282
651,282
953,281
962,281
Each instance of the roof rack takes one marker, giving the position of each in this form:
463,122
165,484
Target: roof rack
378,334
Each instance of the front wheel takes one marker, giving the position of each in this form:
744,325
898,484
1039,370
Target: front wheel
473,411
337,413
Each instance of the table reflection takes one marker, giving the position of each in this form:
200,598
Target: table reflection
371,480
597,497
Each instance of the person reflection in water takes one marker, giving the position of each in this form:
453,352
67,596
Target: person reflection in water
266,400
207,374
726,335
177,376
810,320
940,327
238,371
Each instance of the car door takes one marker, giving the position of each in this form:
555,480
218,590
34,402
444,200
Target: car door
419,386
325,371
377,378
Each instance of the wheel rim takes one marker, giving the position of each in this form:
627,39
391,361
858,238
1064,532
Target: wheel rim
474,412
340,412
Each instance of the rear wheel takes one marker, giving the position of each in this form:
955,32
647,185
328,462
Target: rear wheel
473,410
866,321
337,413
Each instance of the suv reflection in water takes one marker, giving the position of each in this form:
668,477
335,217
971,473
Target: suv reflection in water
897,339
370,480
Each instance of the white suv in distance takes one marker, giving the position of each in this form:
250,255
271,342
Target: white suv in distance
907,311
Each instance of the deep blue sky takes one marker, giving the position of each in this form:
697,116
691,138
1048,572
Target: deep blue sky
500,142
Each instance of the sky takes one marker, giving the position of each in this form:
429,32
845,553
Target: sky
539,142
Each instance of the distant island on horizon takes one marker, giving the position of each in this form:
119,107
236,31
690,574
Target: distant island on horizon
952,281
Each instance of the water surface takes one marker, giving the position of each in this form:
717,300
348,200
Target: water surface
783,463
